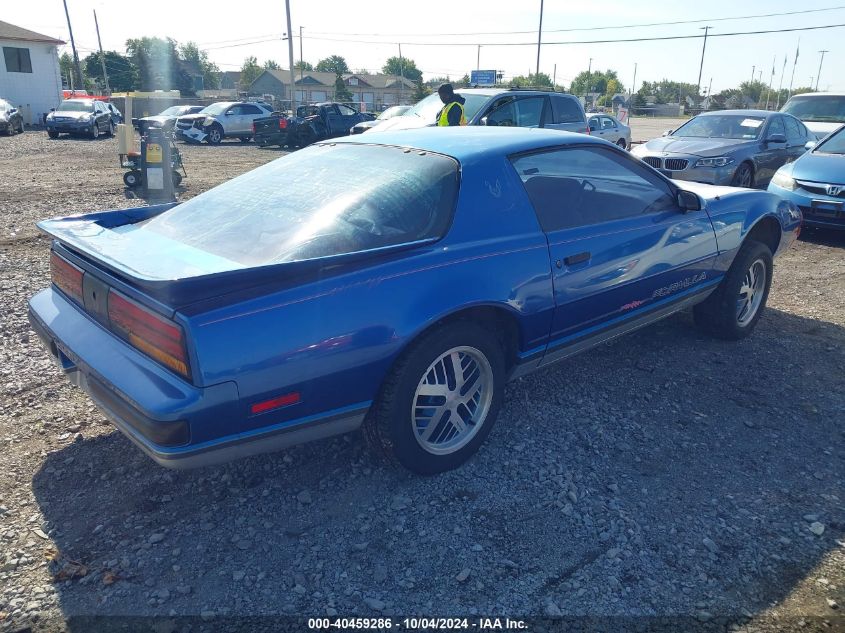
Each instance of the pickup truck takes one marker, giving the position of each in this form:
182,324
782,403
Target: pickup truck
313,122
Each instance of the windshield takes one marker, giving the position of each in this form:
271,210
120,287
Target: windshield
431,105
173,111
833,144
817,108
215,108
76,106
392,112
735,126
336,199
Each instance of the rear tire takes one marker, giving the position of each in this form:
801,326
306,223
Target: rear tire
245,139
52,134
20,127
177,178
132,179
423,418
111,128
621,143
732,311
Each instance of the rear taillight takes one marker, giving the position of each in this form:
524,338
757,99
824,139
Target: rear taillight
152,334
283,123
253,127
66,277
587,131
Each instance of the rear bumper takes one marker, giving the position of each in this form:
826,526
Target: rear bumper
167,418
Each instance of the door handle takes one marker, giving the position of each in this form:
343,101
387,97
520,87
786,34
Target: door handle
576,259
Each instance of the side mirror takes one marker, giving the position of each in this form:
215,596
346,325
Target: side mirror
52,109
688,201
810,144
776,138
667,133
594,128
229,113
486,121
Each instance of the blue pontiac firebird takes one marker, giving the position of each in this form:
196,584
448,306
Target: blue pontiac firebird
394,283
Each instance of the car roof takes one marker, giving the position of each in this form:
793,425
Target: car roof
819,94
472,143
79,100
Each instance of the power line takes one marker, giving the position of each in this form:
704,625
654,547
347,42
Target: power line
577,42
596,28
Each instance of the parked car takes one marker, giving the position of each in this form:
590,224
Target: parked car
313,122
166,118
11,120
116,115
821,112
394,280
742,148
500,107
816,183
80,116
363,126
221,120
609,128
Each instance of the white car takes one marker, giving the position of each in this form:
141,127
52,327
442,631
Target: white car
609,128
821,112
222,120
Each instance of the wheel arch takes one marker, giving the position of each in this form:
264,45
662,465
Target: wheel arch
766,230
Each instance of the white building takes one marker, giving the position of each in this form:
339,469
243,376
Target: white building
30,78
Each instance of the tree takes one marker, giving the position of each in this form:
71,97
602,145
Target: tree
249,72
666,91
197,58
302,65
533,81
436,82
595,81
119,68
271,65
341,92
402,66
421,91
613,88
66,68
158,65
334,64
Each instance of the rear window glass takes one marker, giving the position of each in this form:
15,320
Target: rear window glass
566,110
321,201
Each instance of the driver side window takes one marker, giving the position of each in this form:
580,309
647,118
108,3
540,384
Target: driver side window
583,186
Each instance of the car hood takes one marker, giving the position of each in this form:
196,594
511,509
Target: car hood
818,167
193,117
708,192
369,124
71,115
704,147
822,128
403,122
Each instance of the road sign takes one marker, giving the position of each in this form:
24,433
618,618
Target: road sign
482,77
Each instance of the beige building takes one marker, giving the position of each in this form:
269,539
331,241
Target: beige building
369,92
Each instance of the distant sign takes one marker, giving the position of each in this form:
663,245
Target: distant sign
482,77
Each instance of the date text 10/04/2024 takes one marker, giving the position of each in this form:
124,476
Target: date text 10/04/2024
387,623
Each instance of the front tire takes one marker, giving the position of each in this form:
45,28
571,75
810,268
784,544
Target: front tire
440,401
621,143
744,176
111,128
735,307
52,134
215,135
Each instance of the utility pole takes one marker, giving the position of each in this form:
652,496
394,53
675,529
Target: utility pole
631,94
753,70
780,87
290,61
539,40
701,66
102,57
301,61
818,74
590,76
401,75
794,64
76,65
771,79
554,77
478,59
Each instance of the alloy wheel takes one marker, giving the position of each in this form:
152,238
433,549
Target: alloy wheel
751,293
452,400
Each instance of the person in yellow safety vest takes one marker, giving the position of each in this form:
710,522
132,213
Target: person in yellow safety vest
452,112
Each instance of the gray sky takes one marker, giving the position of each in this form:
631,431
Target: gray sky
366,33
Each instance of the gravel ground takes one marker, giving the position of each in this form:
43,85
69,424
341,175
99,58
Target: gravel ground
665,475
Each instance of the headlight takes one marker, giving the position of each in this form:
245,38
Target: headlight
783,180
208,121
719,161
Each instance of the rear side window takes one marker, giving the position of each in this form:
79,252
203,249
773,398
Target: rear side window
582,186
335,200
776,126
566,110
517,112
795,131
